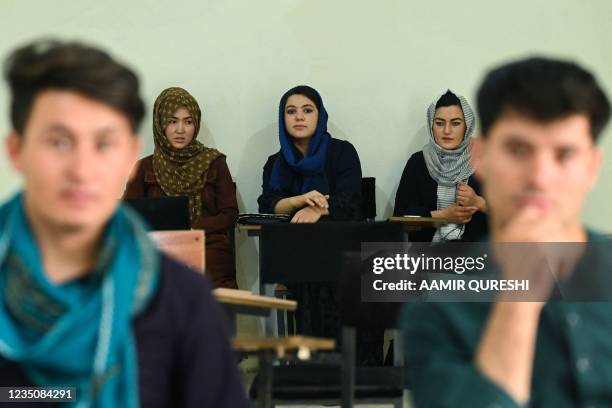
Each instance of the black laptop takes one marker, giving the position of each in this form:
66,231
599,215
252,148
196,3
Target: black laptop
163,213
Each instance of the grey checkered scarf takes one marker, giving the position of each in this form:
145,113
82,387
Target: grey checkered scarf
448,167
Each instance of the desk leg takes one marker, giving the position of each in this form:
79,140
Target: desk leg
231,319
267,289
271,322
398,350
264,392
347,378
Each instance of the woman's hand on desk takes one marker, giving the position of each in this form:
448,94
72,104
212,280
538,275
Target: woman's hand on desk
312,199
467,197
309,215
456,214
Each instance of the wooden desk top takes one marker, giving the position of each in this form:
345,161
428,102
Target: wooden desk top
407,220
251,230
248,227
420,221
251,344
246,298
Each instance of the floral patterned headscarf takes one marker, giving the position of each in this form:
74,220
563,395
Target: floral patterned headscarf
180,171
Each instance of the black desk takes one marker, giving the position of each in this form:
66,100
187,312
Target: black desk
308,253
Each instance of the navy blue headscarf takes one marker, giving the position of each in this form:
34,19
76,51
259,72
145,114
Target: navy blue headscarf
312,166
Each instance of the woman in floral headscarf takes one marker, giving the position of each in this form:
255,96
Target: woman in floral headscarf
182,166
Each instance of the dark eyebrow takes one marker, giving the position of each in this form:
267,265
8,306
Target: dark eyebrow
566,148
105,131
449,119
515,139
59,128
303,106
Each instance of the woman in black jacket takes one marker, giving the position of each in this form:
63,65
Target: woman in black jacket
313,176
438,181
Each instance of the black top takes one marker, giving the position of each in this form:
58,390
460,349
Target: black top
184,355
343,171
417,194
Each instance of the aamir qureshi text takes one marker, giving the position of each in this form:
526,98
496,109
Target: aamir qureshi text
475,285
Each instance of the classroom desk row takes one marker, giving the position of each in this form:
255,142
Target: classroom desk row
188,247
409,222
282,249
316,253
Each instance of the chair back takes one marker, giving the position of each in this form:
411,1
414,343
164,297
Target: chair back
186,246
368,198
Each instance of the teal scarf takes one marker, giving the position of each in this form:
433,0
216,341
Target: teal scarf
77,334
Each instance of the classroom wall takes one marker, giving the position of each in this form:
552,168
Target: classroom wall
377,64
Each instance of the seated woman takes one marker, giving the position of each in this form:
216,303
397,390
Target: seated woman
313,175
181,165
438,182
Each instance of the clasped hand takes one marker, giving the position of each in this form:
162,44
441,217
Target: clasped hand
314,206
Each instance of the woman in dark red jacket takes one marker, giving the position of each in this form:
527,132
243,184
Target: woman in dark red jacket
181,165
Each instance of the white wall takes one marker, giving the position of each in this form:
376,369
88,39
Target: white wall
377,64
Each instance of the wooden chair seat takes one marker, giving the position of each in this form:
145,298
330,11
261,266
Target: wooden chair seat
303,345
246,298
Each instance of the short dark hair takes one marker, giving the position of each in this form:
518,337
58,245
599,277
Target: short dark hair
448,99
543,89
51,64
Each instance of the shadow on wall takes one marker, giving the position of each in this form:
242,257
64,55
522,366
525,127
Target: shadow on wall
206,138
250,171
336,133
417,141
246,247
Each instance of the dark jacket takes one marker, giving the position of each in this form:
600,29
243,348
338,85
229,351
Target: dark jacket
184,355
343,171
219,214
417,194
